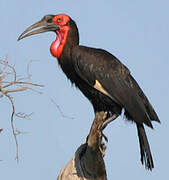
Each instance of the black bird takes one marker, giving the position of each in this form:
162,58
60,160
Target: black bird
101,77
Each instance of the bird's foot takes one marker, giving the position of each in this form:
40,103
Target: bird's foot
105,137
108,120
103,148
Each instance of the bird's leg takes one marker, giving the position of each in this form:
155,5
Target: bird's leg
110,119
103,148
105,137
106,122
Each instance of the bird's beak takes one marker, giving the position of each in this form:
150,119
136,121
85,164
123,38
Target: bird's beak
44,25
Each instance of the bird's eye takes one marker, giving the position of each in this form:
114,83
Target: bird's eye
59,20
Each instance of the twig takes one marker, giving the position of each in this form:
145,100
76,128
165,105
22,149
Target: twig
12,125
21,82
23,115
39,92
16,90
6,65
59,109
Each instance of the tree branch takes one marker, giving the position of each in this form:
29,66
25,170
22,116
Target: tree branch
9,85
88,163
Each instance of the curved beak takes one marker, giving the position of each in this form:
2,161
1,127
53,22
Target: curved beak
44,25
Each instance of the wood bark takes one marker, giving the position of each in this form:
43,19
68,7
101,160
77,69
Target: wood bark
87,162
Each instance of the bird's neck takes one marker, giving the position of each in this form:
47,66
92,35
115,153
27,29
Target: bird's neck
67,38
65,60
57,46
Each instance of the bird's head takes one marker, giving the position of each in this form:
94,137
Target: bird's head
61,24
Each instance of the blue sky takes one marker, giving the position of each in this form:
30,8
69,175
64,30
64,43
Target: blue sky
137,32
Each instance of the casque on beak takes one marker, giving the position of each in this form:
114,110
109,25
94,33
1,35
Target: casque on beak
44,25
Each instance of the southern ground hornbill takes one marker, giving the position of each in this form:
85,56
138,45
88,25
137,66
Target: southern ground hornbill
101,77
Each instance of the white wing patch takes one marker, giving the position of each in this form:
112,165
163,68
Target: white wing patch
100,88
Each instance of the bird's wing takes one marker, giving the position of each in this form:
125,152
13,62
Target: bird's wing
107,74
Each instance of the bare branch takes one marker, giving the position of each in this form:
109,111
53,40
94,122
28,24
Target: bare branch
59,109
10,85
18,132
36,91
6,65
12,125
21,82
15,90
23,115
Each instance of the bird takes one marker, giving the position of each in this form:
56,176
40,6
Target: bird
101,77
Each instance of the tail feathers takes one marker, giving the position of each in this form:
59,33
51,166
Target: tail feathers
146,157
151,112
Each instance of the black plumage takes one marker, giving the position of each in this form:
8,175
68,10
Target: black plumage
84,66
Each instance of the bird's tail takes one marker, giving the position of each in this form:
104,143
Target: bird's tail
146,157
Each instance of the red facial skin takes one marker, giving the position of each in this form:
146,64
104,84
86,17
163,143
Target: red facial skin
62,34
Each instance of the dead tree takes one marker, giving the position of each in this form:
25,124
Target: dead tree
88,162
